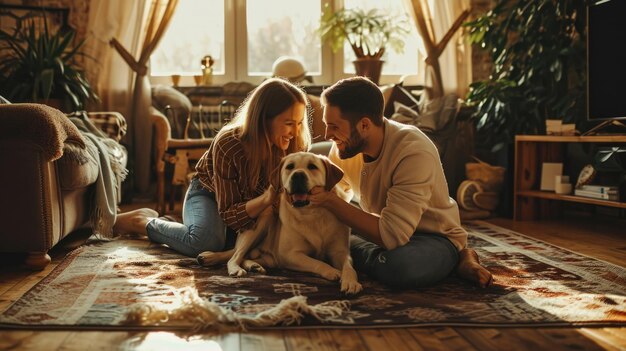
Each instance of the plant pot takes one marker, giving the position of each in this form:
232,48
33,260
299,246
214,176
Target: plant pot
368,67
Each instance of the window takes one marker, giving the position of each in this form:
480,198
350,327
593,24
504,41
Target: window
264,30
282,27
196,30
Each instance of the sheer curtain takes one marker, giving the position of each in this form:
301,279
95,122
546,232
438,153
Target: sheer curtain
456,58
134,29
447,52
110,76
159,16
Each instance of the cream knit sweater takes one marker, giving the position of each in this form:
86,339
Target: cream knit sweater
406,186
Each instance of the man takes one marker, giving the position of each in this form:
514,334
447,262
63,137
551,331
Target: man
409,231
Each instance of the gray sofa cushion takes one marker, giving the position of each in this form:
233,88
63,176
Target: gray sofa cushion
163,96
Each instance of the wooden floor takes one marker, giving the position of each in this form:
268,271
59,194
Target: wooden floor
603,240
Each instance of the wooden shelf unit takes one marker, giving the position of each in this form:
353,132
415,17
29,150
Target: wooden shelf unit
531,151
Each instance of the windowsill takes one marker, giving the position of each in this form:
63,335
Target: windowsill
218,90
187,81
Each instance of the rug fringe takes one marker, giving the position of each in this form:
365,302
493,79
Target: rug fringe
207,315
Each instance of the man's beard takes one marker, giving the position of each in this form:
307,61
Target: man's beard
353,146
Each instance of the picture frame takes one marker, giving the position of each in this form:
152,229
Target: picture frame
549,170
13,18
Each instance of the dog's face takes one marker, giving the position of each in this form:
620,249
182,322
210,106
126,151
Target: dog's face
302,171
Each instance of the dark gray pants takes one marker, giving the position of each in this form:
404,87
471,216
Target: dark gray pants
425,260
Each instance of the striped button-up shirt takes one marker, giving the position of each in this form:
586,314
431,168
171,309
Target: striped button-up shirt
223,170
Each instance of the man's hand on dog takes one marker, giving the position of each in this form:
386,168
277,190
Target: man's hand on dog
320,197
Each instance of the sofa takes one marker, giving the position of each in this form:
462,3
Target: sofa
52,176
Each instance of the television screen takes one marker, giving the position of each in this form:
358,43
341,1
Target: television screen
606,60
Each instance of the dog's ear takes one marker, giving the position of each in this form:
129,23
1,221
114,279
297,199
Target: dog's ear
333,173
275,177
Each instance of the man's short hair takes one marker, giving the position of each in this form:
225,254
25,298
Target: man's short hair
356,97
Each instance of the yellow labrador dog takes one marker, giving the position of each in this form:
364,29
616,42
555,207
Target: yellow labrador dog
302,238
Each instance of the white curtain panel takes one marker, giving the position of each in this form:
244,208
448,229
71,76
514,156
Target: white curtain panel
110,75
135,27
455,60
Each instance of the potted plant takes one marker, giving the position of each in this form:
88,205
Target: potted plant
537,49
538,53
41,67
367,32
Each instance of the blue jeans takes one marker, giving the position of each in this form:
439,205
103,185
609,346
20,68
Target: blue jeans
425,260
203,228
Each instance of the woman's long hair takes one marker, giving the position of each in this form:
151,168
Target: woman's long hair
253,122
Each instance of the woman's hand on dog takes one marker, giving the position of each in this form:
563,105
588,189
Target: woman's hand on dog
255,206
270,196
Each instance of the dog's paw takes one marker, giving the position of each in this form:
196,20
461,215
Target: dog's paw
252,266
234,270
207,258
331,274
351,287
239,272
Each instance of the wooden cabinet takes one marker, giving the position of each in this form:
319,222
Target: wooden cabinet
531,151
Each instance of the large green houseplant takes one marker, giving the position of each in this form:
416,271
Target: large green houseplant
41,67
537,49
368,33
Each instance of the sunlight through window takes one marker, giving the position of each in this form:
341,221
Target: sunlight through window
196,30
245,37
282,28
170,341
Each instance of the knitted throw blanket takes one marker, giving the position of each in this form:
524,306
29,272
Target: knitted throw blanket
110,170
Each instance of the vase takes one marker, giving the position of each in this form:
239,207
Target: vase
175,79
368,67
207,76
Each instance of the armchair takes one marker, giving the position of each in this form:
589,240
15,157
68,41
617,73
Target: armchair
174,151
182,134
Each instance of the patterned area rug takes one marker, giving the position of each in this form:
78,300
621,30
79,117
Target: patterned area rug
536,284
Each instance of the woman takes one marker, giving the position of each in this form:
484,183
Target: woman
230,189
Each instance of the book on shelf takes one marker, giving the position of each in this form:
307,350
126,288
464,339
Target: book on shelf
597,195
600,188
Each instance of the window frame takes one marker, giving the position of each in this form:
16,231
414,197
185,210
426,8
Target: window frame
236,65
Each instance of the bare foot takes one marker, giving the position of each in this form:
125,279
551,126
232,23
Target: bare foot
469,268
134,222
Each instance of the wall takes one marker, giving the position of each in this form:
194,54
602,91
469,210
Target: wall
481,61
79,11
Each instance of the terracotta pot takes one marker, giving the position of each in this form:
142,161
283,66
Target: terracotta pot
368,67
